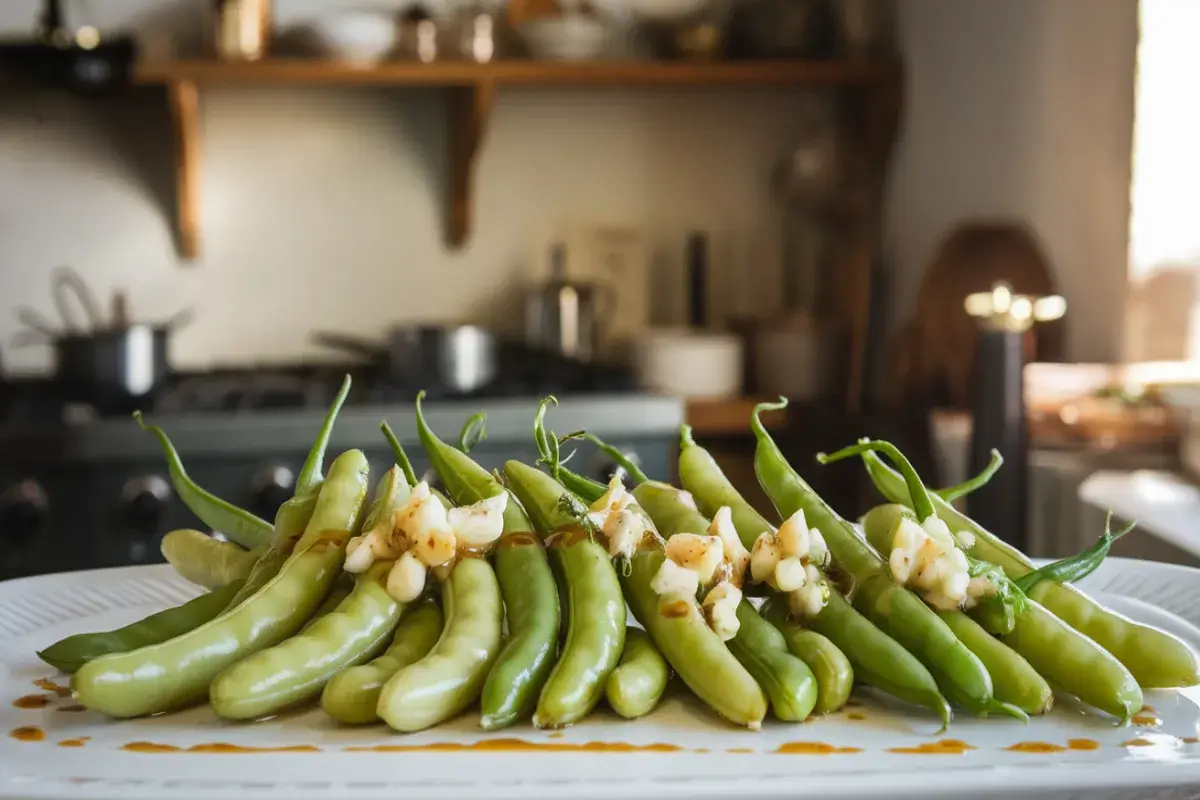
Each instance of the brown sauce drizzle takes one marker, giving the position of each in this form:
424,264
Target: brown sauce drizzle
1146,719
1036,747
50,686
1137,742
28,733
1083,744
519,745
33,701
940,748
215,747
1190,740
518,540
74,742
675,609
72,708
814,749
854,715
702,750
738,750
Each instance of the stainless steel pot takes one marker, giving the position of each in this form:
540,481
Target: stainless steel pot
454,358
114,365
567,317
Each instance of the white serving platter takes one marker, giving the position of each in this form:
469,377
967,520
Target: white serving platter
871,749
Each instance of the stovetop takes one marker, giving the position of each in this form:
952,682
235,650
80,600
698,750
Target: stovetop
43,403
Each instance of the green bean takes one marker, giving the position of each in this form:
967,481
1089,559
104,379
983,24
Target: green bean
682,635
352,695
972,484
526,583
178,672
1078,566
239,525
1156,659
876,658
1014,681
787,680
451,676
310,478
635,687
895,610
71,653
343,585
595,607
829,665
203,560
678,629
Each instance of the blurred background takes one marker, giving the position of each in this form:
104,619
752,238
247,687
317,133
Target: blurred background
956,224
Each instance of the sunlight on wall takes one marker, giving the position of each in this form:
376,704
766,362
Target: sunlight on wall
1164,253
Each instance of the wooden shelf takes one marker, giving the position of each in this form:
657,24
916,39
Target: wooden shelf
470,95
729,417
308,72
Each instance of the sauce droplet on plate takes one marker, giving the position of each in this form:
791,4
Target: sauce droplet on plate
72,708
79,742
1083,744
33,701
739,750
518,745
813,749
1036,747
215,747
28,733
51,686
941,748
854,715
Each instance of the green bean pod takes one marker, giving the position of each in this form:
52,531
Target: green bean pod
206,561
526,583
894,610
342,586
595,607
178,672
531,604
69,654
829,665
238,524
762,650
352,695
450,677
1014,681
788,682
876,658
1156,659
636,686
682,635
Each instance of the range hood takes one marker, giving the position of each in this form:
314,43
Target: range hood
80,60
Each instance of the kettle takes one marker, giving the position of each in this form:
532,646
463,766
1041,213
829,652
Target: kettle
567,317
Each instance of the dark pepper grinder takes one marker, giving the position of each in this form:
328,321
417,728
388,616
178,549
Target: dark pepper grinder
999,410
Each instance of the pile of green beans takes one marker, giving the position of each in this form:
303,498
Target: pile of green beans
546,623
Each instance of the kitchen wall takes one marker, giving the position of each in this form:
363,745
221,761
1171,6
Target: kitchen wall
1023,108
322,208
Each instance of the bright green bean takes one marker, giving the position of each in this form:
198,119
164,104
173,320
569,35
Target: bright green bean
829,665
451,676
71,653
876,658
203,560
1156,659
787,680
1014,681
635,687
352,695
178,672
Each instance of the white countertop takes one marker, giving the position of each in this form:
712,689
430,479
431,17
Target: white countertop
1164,504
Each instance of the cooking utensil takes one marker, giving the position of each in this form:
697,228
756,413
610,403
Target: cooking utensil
243,29
35,321
114,365
356,36
66,282
567,317
570,37
455,358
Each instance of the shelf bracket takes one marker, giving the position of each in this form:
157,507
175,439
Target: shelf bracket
469,109
184,104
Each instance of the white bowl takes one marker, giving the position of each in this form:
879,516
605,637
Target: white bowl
572,37
361,36
691,364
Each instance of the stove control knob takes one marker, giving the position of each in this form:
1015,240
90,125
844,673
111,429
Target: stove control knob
270,488
603,467
143,500
24,507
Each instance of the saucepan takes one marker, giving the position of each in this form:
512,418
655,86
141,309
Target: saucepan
455,358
